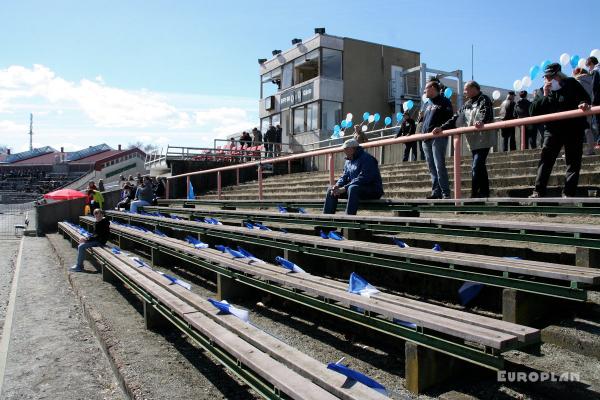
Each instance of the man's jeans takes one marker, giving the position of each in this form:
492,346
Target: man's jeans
133,207
435,153
354,193
480,185
81,251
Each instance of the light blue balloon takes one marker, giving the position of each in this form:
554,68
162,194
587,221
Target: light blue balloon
344,124
544,64
349,124
409,105
336,129
387,121
448,92
534,71
399,117
377,117
366,116
574,60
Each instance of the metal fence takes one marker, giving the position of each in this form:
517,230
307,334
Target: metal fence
14,219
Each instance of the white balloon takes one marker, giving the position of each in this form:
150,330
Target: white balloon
526,81
595,53
349,117
517,85
564,59
496,94
581,63
364,128
371,118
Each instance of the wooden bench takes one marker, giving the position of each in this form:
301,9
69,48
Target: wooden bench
287,369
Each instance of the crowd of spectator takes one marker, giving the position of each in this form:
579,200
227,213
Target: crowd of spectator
140,191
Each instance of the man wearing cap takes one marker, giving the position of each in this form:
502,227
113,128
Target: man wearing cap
507,112
560,93
361,180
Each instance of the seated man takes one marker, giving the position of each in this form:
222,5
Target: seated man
99,238
361,180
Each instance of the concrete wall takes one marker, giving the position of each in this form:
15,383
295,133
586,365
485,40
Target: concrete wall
49,215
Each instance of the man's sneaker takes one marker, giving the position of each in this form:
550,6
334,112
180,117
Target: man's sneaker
446,197
565,196
75,268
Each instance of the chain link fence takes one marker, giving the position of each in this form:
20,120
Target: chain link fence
14,219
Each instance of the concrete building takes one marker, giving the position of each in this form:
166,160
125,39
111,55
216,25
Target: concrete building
309,87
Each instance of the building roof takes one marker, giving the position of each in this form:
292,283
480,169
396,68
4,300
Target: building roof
44,159
14,158
85,153
92,159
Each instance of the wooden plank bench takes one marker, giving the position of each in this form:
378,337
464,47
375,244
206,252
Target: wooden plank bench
289,370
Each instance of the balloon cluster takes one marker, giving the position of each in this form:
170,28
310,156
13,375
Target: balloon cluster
565,59
368,118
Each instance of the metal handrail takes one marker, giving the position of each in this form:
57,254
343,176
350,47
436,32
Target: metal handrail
457,133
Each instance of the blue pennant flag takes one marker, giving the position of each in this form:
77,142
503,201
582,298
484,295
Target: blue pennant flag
357,376
301,210
323,235
468,291
197,243
282,209
400,243
261,226
335,236
141,263
358,285
288,264
116,250
225,249
191,195
212,221
405,323
226,308
513,258
249,255
249,225
437,247
176,281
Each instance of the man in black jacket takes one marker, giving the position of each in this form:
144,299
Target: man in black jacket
408,128
507,112
437,111
560,93
522,111
99,238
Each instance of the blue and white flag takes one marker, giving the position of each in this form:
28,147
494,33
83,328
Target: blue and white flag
437,247
335,236
197,243
400,243
159,233
225,249
191,195
226,308
176,281
357,376
405,323
282,209
301,210
250,256
248,225
212,221
261,226
358,285
116,250
141,263
468,291
323,235
289,265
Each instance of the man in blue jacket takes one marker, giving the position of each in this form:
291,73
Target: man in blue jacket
361,180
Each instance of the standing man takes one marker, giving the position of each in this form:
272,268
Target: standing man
437,111
361,180
270,137
408,128
594,68
522,111
560,93
477,111
507,112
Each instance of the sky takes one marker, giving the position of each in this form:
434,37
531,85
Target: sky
184,72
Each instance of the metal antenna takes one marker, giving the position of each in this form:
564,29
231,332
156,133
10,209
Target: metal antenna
472,73
30,131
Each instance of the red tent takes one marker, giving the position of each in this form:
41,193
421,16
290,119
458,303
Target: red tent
64,194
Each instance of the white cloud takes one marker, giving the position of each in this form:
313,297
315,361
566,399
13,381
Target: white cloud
225,120
12,128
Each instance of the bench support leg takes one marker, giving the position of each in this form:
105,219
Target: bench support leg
154,320
357,234
108,276
524,308
589,258
406,213
426,368
156,256
229,289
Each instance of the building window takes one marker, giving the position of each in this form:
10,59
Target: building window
270,120
331,114
306,67
288,75
306,118
270,83
332,64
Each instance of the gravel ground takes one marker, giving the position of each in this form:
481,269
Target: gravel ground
52,351
8,249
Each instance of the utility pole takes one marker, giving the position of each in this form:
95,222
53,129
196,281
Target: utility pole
30,132
472,73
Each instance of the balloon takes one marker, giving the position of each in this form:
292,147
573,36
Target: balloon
409,105
496,94
371,118
534,71
448,92
544,64
366,116
377,117
349,117
581,63
387,121
344,124
348,124
336,129
595,53
364,128
526,81
399,117
574,60
517,85
564,59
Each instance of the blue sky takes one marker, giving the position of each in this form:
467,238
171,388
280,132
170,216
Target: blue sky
183,72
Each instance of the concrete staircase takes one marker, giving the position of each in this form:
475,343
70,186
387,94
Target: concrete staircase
511,175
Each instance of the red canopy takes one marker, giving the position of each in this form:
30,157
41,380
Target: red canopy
64,194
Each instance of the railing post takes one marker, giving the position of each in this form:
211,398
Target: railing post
260,183
289,167
187,187
219,185
167,190
523,137
331,169
457,161
237,176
